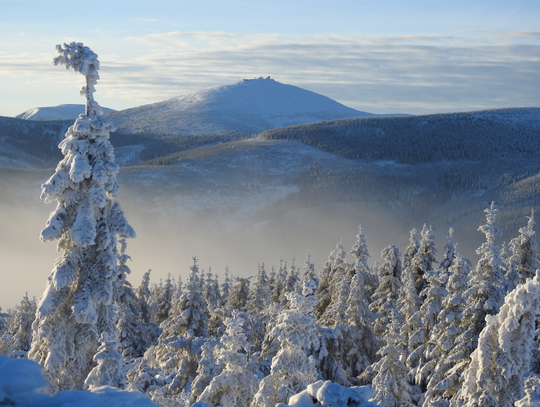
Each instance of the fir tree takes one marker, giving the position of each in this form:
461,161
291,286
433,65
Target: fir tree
237,383
108,371
386,296
524,260
292,370
391,388
484,296
77,305
191,315
165,300
20,329
441,383
496,373
239,297
361,256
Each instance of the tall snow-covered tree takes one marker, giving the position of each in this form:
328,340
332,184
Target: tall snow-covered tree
20,329
190,316
292,370
442,382
237,383
524,260
484,296
77,305
361,255
498,366
360,344
165,300
386,296
390,385
239,296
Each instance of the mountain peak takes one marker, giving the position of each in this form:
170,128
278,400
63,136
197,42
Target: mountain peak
248,106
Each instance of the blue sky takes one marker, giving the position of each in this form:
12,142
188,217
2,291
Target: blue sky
384,56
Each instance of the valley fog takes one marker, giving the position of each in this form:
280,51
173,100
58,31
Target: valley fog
169,236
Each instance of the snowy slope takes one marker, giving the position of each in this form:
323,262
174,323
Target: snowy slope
249,106
60,112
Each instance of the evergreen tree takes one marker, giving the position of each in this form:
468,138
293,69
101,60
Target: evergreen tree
147,301
226,286
361,256
386,296
108,371
449,257
359,342
441,383
524,260
292,370
309,274
496,373
484,296
191,315
239,297
391,388
260,296
20,329
209,367
165,300
237,383
77,305
432,295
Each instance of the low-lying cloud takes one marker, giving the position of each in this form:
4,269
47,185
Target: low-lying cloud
419,73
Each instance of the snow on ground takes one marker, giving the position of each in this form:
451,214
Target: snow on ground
328,394
20,380
60,112
247,106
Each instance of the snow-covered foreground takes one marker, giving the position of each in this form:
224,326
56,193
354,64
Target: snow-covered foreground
21,379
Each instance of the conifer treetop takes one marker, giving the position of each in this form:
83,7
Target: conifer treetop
81,59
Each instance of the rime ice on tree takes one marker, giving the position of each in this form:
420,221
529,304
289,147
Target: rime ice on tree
77,305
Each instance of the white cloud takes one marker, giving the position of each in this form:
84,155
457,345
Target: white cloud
412,74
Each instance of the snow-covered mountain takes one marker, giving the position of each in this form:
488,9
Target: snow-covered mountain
249,106
60,112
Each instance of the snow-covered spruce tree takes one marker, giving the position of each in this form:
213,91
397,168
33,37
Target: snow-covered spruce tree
524,260
20,329
211,292
108,371
498,366
335,297
190,316
441,383
361,256
165,300
292,282
77,305
147,300
239,297
292,370
386,296
324,289
226,286
431,296
209,367
391,388
308,272
411,249
484,296
360,344
237,383
449,257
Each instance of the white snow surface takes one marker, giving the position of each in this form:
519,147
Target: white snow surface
328,394
20,380
60,112
249,106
